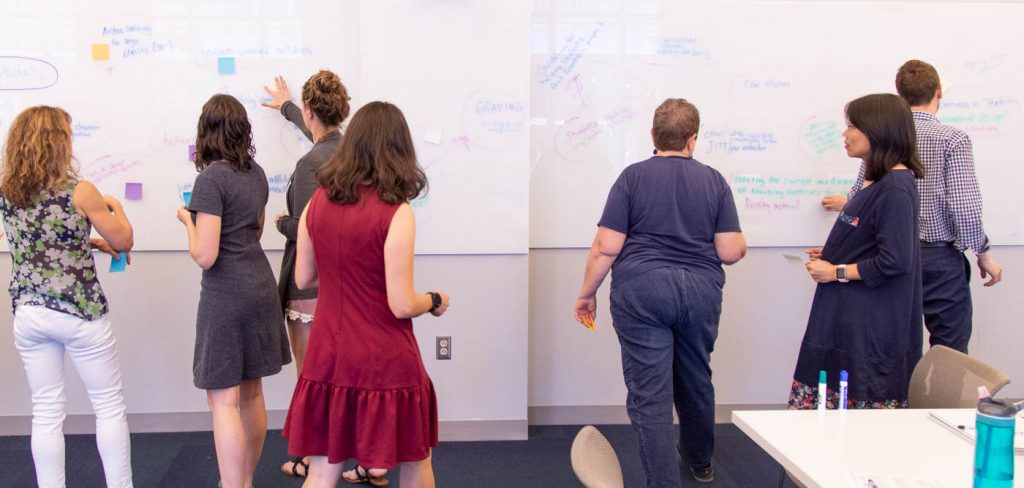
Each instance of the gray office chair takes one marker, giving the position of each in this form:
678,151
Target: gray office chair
594,460
947,378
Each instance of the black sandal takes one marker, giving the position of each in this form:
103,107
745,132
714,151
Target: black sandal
296,462
366,478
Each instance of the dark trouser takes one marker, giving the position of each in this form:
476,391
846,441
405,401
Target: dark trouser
945,276
667,323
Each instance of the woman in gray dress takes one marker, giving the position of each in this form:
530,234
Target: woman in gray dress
324,107
240,337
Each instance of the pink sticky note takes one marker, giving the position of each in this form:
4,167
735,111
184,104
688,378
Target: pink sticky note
192,152
133,191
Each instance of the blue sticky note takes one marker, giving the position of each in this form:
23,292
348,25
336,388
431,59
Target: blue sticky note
187,197
226,66
118,265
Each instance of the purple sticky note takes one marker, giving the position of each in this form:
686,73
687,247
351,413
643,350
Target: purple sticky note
192,152
133,191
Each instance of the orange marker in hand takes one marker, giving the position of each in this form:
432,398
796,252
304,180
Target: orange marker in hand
589,323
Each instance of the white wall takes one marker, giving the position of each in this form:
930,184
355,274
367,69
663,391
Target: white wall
764,314
494,298
481,391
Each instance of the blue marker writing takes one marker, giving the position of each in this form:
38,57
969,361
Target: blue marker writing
843,383
822,389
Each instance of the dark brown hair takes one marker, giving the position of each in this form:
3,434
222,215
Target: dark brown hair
377,150
675,121
224,134
917,82
886,121
37,155
326,96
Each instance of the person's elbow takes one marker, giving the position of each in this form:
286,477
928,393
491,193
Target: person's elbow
205,260
304,283
305,277
730,247
733,255
403,307
608,243
123,241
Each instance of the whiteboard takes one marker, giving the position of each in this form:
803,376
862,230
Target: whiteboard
460,71
770,80
135,113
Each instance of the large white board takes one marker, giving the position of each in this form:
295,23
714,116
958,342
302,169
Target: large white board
460,71
771,80
136,101
135,107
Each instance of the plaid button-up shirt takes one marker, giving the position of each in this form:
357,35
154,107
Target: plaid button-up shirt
950,196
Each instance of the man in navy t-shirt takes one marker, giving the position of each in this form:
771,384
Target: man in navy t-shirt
668,226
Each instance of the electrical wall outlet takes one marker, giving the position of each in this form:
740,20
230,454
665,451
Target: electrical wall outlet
444,347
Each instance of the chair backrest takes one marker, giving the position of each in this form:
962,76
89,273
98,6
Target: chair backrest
947,378
594,460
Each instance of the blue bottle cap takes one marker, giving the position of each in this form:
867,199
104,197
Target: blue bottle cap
844,376
821,377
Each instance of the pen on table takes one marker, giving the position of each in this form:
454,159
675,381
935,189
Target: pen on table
843,384
822,390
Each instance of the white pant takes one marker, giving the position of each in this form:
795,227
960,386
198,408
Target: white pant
42,335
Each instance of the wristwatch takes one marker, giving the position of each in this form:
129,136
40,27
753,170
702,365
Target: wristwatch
435,299
841,274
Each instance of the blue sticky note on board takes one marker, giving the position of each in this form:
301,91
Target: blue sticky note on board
118,265
187,197
133,191
226,66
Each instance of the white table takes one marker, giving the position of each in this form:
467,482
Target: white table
821,449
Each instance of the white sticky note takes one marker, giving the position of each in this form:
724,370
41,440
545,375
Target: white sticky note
433,135
795,260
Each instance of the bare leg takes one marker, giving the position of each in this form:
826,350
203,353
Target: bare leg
321,473
228,436
253,412
419,474
298,333
352,476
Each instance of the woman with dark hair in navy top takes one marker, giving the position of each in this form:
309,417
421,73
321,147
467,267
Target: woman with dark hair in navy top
866,314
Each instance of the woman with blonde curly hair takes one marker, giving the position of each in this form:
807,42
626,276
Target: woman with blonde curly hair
58,304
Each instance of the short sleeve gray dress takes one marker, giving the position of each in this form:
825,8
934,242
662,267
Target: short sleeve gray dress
240,334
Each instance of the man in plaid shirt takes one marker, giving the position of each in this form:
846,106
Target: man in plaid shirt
950,211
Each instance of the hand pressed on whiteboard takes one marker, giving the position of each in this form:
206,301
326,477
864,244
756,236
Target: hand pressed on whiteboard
279,93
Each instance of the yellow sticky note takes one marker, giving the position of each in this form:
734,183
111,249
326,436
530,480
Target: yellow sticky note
101,52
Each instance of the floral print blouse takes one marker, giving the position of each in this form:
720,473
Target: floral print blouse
52,256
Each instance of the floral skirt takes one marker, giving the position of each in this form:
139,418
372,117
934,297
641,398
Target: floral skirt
805,397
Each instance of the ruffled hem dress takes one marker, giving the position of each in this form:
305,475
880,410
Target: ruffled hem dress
363,392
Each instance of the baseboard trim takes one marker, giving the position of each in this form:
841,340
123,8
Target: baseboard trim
448,430
616,414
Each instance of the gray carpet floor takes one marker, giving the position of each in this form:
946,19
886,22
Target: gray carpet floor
179,460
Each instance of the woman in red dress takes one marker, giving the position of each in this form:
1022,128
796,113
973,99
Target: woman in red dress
363,392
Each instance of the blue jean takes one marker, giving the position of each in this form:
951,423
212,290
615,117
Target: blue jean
945,279
667,322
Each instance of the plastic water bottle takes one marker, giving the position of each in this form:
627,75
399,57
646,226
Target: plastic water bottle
993,446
